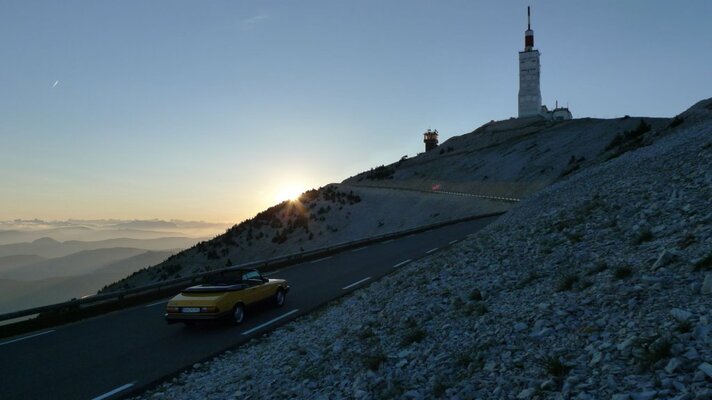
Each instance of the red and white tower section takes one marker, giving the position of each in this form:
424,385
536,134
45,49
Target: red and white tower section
529,71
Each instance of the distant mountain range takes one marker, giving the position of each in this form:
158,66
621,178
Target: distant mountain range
43,262
20,294
14,261
50,248
18,231
80,263
82,234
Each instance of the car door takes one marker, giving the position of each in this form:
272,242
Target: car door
258,289
252,292
265,289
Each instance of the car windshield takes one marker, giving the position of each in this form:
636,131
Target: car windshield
252,275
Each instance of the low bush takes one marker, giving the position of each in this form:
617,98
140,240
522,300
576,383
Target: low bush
567,283
380,173
475,295
644,235
373,362
414,335
622,272
676,121
555,367
704,263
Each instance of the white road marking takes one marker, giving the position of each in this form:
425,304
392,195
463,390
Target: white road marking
402,263
453,241
431,250
359,249
156,303
113,392
258,327
26,337
321,259
411,235
388,241
355,283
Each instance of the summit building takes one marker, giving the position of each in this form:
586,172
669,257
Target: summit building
529,88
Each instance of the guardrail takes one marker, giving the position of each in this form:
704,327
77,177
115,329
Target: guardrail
439,191
263,265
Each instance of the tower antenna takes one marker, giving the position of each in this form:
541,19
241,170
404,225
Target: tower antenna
529,18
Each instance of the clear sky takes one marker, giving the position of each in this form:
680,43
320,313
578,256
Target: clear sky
210,109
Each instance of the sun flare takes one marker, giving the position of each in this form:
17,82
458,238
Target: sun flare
288,193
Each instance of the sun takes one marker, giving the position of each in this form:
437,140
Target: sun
288,193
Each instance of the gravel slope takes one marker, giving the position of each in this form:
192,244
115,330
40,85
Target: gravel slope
599,286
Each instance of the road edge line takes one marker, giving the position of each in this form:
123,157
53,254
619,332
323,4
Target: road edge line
258,327
114,391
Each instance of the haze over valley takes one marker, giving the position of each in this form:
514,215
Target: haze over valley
45,262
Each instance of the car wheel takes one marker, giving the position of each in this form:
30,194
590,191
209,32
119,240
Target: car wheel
238,314
279,298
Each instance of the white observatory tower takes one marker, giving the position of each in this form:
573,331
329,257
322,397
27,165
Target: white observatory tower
529,68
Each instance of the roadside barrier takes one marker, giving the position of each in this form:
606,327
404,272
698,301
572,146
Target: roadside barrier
438,191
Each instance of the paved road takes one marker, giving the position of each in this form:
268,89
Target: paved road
122,352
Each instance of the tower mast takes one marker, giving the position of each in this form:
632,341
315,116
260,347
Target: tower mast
529,69
529,34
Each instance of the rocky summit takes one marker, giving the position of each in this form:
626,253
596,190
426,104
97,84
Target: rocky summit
596,287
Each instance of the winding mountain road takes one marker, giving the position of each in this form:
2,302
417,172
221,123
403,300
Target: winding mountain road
122,353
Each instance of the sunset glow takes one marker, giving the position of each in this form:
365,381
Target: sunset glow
290,193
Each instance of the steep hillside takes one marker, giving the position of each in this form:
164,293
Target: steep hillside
332,214
597,287
512,158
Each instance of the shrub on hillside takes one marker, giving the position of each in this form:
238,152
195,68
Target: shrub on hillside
629,140
567,283
676,121
380,173
643,235
704,263
555,367
279,238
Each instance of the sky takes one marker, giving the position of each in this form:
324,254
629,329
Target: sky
215,110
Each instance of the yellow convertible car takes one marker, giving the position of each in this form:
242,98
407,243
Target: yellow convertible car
225,296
